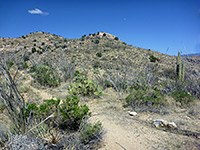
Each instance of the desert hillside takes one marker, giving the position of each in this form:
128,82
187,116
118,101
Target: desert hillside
96,92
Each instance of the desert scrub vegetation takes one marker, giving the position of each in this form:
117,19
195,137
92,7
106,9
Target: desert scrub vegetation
148,86
45,76
183,97
2,106
9,64
152,58
67,114
67,122
55,122
90,131
146,97
83,86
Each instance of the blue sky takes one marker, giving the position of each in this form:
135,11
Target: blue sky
167,26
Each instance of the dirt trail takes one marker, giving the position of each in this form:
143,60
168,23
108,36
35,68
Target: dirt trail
42,93
119,133
123,132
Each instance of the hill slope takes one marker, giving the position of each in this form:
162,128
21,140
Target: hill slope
145,76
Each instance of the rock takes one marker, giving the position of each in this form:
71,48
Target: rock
150,120
172,125
158,123
188,118
132,113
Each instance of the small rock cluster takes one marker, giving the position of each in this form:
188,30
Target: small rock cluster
159,123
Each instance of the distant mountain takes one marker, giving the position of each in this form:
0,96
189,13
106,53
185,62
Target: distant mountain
189,55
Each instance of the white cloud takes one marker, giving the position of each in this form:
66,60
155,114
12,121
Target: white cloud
37,11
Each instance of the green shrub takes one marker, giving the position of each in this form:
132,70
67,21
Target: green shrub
33,50
116,38
45,76
96,64
96,41
153,58
9,64
23,37
2,106
26,58
31,110
68,114
40,52
107,84
182,97
90,131
49,107
99,54
84,86
145,98
72,112
44,110
22,65
33,68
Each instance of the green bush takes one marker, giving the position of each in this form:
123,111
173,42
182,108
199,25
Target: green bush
2,106
49,107
23,37
145,98
96,64
99,54
153,58
31,110
40,52
26,58
96,41
9,64
44,110
45,76
182,97
84,86
68,114
22,65
116,38
72,112
90,131
33,68
33,50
